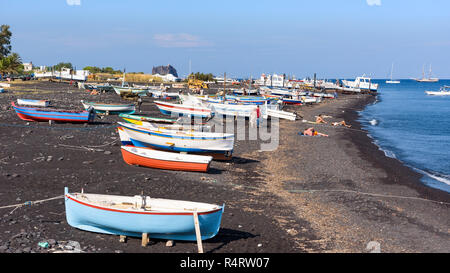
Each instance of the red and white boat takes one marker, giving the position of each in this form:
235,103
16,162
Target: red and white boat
165,160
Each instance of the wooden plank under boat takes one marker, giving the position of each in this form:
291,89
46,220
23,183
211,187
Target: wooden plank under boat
46,114
150,158
137,215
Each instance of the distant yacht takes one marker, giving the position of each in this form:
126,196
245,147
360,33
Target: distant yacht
392,81
429,79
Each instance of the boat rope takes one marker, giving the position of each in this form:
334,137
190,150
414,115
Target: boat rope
29,203
90,147
371,194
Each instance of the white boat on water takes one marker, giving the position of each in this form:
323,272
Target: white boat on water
391,80
443,91
424,79
362,83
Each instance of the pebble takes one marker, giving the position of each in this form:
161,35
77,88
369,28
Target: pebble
107,152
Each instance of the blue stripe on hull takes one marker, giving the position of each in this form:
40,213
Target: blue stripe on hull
138,143
53,115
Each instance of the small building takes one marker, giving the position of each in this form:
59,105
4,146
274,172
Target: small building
27,66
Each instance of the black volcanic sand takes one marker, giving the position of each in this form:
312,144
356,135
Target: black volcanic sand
265,208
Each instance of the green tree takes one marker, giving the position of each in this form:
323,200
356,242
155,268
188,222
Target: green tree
5,41
59,66
11,64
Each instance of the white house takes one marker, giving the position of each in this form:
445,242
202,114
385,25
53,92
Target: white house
27,66
271,80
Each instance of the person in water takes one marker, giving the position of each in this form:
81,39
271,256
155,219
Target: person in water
312,132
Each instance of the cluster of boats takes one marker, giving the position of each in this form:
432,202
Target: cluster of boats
169,144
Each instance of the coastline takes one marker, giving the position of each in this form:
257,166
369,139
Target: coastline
349,190
299,198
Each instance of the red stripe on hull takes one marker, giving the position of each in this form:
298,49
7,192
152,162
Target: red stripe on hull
133,159
139,212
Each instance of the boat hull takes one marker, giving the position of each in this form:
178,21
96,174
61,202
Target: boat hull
178,225
183,110
159,160
38,114
110,108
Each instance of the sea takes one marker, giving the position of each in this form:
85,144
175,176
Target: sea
413,127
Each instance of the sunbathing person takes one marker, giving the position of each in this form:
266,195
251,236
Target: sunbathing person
312,132
320,119
341,123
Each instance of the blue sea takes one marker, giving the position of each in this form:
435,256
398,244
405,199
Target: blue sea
413,127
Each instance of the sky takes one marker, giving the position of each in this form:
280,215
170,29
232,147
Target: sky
332,38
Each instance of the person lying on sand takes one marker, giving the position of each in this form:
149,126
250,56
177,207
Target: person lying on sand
341,123
320,119
312,132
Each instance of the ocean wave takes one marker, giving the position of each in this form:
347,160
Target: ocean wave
444,178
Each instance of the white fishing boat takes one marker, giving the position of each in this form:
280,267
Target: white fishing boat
280,114
443,91
183,109
391,80
39,103
362,83
110,107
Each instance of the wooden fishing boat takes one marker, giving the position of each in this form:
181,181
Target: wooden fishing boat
137,118
257,100
280,114
136,91
160,126
39,103
178,109
219,145
137,215
46,114
237,110
111,108
165,160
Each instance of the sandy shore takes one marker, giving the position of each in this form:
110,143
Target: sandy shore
265,208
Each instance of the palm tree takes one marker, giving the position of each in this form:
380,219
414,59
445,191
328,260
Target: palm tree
11,64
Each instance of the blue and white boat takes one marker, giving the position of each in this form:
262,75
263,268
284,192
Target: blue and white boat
136,215
219,145
60,115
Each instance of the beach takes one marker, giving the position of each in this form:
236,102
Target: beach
311,194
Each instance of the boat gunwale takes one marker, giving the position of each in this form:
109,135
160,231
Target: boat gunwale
96,206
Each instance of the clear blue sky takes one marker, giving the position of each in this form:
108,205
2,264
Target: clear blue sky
334,38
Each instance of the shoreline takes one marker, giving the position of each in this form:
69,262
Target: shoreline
411,178
348,190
